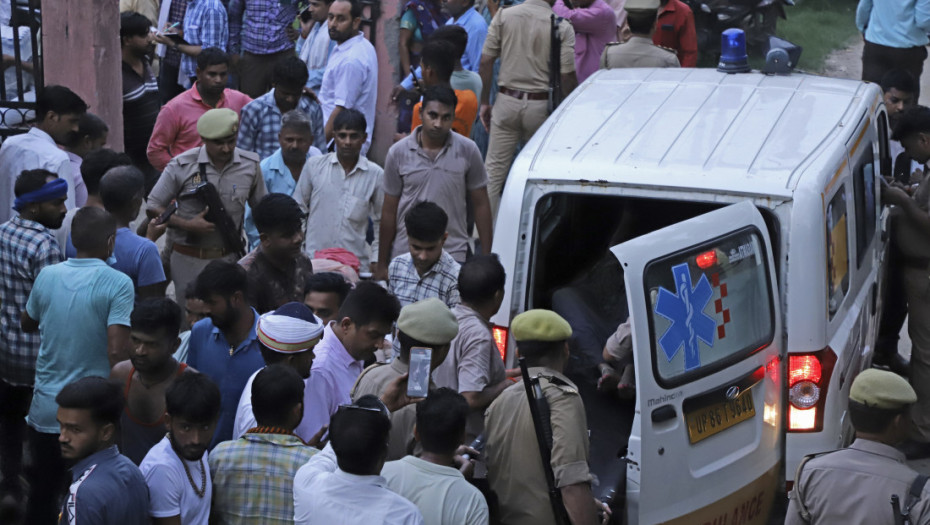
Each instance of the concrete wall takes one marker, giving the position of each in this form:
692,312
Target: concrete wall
81,50
388,65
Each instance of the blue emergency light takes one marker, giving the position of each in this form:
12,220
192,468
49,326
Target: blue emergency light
733,57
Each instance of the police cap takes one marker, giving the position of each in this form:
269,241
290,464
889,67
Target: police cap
218,124
540,325
429,321
882,389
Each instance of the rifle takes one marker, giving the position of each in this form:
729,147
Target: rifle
539,410
217,214
555,64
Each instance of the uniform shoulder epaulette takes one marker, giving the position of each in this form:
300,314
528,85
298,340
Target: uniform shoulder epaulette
663,48
358,380
613,44
250,155
188,157
560,384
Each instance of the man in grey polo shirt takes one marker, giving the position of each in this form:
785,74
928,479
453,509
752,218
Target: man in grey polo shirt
434,164
474,367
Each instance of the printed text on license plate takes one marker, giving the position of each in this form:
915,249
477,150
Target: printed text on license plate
707,421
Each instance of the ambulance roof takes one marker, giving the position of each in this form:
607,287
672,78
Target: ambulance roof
695,128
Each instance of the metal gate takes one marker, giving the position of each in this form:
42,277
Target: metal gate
22,78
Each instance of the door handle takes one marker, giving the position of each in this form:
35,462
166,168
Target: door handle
663,413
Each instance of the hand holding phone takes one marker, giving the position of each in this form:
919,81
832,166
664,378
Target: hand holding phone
418,382
165,215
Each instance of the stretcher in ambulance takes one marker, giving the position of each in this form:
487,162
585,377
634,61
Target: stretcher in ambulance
735,220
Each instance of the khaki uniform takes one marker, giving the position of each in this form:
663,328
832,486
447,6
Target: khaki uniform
855,485
521,37
514,466
915,270
239,182
374,380
638,51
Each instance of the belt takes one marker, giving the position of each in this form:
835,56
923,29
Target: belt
526,95
200,253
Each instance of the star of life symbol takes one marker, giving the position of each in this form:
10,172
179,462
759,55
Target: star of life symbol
685,312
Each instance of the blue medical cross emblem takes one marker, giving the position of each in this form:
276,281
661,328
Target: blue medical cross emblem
685,310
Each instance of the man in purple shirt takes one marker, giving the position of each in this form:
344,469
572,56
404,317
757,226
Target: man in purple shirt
364,319
595,25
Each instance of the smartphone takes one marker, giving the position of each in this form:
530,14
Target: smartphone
418,380
169,211
305,15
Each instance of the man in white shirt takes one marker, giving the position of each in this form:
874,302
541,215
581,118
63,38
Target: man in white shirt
351,77
440,491
58,113
175,469
314,44
364,319
286,335
341,485
340,191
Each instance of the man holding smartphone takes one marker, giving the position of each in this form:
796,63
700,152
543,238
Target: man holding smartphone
426,328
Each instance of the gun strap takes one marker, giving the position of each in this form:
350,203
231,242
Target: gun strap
913,495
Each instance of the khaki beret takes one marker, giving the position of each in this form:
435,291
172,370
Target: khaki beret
218,124
429,321
882,389
641,5
540,325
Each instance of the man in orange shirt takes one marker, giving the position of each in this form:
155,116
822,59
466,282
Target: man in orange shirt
675,31
438,62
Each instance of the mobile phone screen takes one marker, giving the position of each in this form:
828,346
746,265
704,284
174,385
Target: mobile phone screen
418,380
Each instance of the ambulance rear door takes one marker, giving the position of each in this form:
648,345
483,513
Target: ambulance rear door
706,444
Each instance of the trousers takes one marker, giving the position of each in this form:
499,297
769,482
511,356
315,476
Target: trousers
513,121
917,284
878,60
255,71
48,479
14,405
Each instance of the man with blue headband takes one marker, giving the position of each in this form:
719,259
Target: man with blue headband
27,245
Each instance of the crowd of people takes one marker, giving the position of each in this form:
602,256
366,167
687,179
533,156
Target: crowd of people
217,325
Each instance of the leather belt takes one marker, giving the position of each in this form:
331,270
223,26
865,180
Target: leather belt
525,95
200,253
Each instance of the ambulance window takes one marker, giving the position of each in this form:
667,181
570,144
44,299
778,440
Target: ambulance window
709,306
837,253
866,212
884,155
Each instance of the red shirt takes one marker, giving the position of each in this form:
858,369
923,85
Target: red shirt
176,126
675,31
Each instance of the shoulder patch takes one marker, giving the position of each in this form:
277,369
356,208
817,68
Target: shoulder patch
670,50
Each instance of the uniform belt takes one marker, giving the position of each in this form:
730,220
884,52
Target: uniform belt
200,253
516,93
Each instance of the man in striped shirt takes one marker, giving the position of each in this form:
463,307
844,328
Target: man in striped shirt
141,100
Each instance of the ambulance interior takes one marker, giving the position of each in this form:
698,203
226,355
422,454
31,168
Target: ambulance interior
573,272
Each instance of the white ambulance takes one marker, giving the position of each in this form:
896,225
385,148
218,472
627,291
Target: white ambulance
735,218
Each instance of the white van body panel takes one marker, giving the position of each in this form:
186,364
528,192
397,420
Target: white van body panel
698,135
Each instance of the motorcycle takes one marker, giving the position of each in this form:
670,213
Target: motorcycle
758,18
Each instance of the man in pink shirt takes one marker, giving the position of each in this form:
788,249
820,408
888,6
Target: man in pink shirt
176,126
595,24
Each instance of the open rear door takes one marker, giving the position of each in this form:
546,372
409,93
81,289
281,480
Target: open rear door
706,444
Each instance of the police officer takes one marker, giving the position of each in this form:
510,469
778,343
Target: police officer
912,238
856,484
639,51
514,467
521,36
193,240
426,324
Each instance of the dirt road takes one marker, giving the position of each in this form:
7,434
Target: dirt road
846,62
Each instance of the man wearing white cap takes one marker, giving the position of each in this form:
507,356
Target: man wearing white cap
286,335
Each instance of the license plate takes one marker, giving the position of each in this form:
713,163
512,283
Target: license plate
707,421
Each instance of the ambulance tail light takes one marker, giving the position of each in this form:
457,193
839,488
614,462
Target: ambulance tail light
500,340
808,379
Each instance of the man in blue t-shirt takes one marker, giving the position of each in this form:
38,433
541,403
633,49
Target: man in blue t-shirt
81,308
106,487
122,193
225,346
